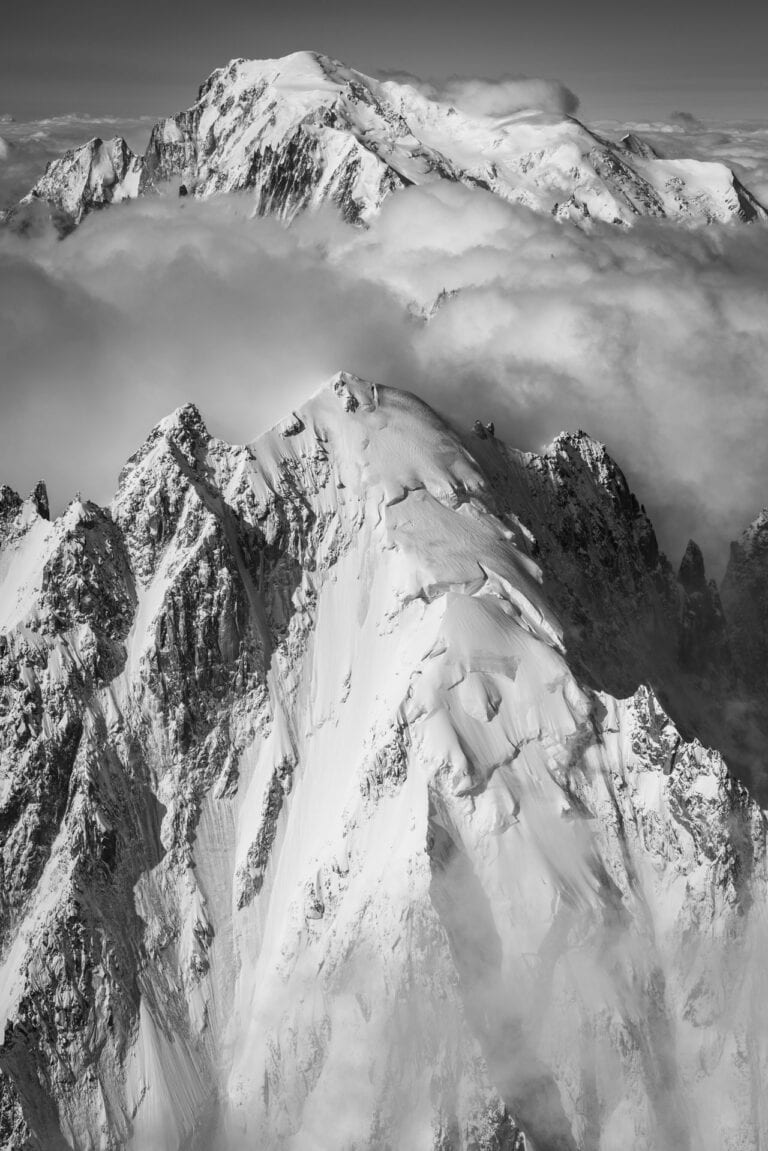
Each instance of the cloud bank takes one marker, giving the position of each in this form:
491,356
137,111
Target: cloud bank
654,340
510,94
742,146
502,96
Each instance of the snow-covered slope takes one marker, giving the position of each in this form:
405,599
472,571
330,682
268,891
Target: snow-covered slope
304,130
317,830
89,177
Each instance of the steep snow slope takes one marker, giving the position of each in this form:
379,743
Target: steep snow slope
305,130
316,833
91,176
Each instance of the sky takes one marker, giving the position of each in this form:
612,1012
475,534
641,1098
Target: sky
148,57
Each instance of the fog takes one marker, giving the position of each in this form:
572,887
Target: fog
653,339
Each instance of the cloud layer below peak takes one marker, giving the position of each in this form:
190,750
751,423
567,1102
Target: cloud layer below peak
653,339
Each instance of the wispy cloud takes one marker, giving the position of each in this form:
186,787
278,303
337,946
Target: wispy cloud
501,96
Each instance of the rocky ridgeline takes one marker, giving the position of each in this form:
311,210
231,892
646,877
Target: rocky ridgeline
628,617
351,740
79,752
303,131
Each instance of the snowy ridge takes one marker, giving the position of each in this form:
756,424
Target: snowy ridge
97,173
305,130
313,817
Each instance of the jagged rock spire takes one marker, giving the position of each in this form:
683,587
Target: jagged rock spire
691,574
39,499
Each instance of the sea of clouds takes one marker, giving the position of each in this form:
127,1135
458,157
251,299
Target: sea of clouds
653,339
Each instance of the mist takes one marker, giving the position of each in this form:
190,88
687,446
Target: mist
653,339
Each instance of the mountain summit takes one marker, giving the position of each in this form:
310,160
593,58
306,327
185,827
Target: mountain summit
321,826
305,130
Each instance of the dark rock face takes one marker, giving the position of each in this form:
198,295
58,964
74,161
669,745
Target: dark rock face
705,644
10,505
748,208
745,599
628,618
614,589
639,147
39,498
639,196
176,158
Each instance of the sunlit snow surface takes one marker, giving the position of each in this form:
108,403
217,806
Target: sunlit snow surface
414,871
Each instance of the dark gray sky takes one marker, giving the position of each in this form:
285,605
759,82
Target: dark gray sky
623,59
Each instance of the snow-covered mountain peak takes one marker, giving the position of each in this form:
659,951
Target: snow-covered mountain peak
304,130
181,433
17,513
582,445
317,811
186,417
575,461
96,173
381,443
185,428
298,72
